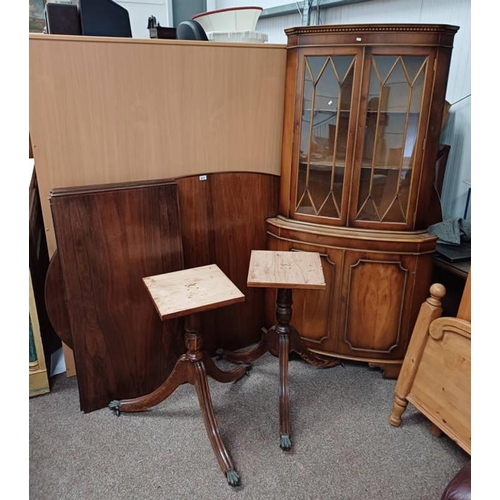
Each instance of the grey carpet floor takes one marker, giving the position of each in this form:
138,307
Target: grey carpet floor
343,445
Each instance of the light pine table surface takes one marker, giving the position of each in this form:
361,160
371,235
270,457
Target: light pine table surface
191,290
286,270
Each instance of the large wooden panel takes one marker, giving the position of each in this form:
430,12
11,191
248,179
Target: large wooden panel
223,220
108,239
106,110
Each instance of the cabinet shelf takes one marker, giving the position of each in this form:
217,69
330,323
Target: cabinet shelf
393,112
326,165
327,110
370,111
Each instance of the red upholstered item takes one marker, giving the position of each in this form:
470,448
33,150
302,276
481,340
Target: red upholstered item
459,488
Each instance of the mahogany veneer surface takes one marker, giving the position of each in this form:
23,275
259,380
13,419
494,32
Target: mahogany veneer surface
222,221
109,238
55,301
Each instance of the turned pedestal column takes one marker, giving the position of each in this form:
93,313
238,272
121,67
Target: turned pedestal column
284,271
187,293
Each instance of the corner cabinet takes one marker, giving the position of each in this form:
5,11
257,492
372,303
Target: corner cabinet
363,114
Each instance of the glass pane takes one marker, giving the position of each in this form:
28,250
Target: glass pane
392,119
328,82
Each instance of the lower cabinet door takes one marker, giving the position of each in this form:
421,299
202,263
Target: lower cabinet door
376,292
374,289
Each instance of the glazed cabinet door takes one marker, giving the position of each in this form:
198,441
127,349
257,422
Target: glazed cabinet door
328,84
376,294
393,120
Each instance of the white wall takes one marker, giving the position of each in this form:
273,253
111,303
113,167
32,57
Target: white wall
139,12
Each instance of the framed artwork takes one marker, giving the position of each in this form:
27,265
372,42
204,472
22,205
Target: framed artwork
37,16
38,376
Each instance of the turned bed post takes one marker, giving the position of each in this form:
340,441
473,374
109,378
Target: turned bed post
430,310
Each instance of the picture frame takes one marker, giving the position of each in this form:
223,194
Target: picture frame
37,16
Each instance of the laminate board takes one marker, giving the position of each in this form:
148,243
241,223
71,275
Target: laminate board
110,109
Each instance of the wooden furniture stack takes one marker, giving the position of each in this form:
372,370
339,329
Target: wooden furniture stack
108,110
349,115
363,113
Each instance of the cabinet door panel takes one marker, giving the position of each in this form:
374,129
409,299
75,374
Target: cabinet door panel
393,120
323,150
373,290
